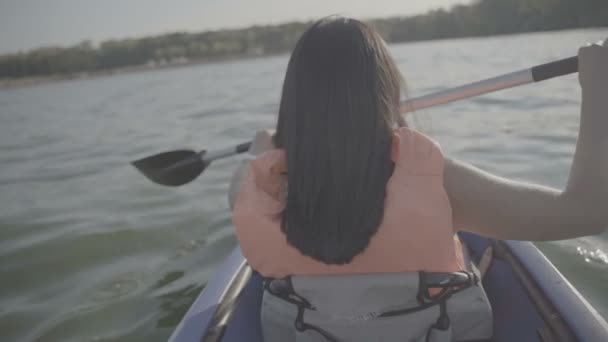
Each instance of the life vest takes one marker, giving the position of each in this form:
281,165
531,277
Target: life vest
308,300
416,232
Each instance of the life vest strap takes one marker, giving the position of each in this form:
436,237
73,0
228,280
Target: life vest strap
284,290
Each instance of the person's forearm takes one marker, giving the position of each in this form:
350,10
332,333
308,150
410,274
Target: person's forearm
588,179
496,207
235,183
261,143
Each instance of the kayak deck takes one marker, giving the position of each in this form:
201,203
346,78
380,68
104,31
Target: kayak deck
531,300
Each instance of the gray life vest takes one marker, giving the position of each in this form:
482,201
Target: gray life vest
378,307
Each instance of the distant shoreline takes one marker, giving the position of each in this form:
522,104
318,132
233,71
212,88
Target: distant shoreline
25,82
479,18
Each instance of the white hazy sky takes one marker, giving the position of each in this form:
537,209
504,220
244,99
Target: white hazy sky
25,24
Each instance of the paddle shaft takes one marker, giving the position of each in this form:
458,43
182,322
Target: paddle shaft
538,73
226,152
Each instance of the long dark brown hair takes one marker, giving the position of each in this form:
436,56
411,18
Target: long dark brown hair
339,106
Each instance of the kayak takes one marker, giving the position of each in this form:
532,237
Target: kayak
531,300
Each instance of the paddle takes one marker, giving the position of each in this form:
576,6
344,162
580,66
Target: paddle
175,168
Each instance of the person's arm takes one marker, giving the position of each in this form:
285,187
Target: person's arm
261,143
496,207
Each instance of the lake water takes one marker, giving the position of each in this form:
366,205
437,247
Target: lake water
92,251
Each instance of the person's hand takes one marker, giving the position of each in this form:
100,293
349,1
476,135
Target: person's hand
262,142
593,68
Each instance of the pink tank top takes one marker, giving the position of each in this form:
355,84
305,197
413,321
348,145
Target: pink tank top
416,232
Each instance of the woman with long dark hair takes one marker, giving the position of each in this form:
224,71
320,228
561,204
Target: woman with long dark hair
345,187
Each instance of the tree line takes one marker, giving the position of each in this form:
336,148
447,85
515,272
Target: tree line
480,18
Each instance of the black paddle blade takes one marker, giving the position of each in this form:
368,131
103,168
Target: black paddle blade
172,168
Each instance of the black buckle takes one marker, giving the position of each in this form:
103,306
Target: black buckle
448,282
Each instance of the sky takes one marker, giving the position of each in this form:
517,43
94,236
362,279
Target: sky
27,24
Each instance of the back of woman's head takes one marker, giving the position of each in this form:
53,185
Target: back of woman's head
339,105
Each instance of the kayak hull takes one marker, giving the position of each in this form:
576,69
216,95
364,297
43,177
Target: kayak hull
531,300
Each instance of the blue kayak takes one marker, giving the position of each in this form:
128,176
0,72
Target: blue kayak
531,299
